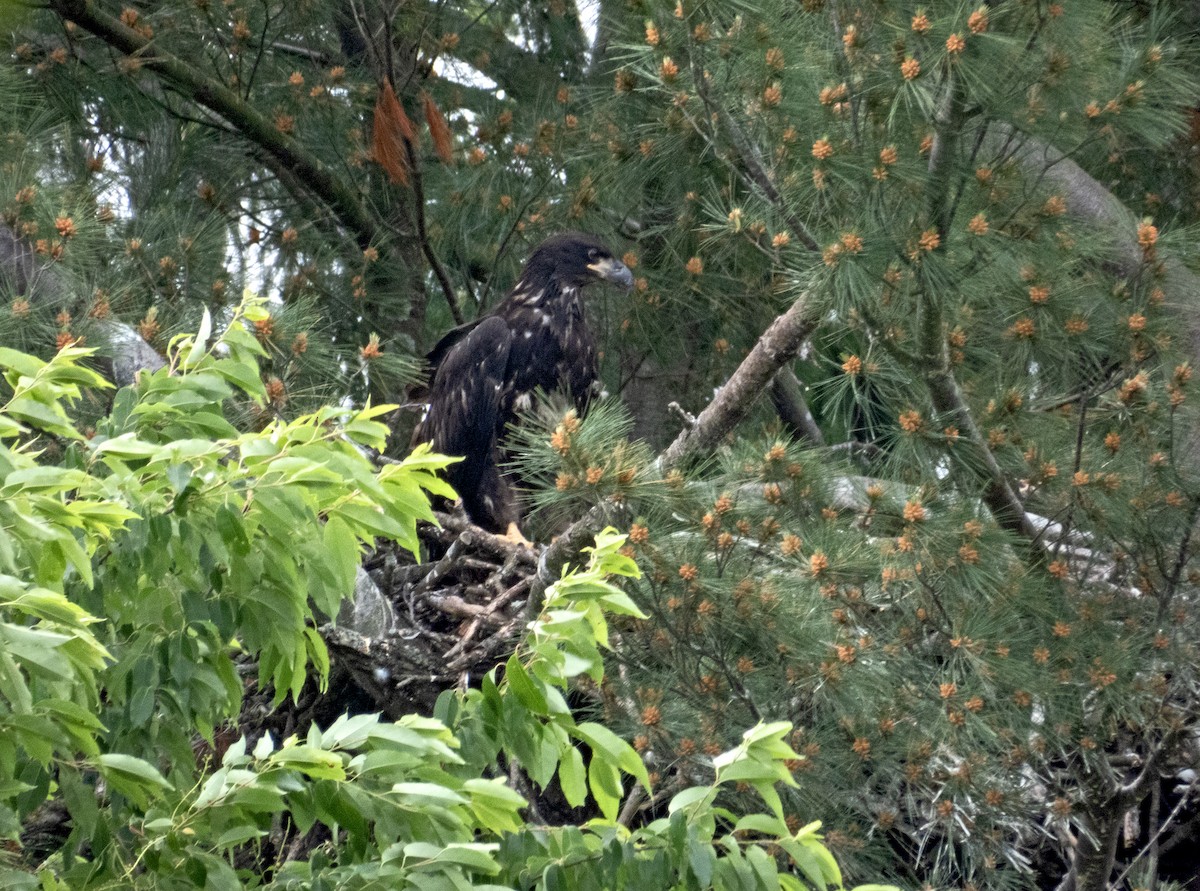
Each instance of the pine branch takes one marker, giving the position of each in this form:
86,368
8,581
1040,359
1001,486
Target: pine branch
787,395
948,124
526,76
431,256
339,196
127,351
781,341
752,167
1088,200
972,449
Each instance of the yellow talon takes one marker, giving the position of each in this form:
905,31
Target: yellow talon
514,535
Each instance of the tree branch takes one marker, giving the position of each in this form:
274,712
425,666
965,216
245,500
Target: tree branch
219,99
778,345
431,256
753,170
526,77
971,450
787,395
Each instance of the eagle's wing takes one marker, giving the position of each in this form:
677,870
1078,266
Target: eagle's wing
449,341
465,405
435,357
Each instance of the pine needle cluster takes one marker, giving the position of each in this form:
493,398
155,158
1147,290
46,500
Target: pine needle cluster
568,464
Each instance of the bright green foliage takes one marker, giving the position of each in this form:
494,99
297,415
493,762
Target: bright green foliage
694,846
527,715
241,535
194,542
391,790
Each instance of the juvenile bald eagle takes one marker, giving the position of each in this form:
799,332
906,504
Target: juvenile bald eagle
484,372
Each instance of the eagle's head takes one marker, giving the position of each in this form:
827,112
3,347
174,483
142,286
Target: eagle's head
575,259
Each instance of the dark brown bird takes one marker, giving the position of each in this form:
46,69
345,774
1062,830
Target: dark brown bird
485,372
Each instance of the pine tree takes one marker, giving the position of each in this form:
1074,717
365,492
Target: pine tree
985,633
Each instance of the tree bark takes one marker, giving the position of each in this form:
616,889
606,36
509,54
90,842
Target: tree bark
778,345
787,395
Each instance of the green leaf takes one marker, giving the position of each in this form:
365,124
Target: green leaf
43,479
243,375
343,550
200,342
473,856
22,363
525,688
618,752
44,604
497,807
133,777
572,777
132,767
372,520
313,762
37,648
428,793
605,783
238,835
50,418
764,867
702,860
690,797
127,446
761,823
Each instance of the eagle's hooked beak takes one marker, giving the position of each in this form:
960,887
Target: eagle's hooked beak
610,269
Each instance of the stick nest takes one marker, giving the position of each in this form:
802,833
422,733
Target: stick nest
454,614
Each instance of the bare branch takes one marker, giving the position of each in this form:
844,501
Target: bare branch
787,395
779,345
431,256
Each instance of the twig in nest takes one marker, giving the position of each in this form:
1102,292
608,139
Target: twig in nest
486,614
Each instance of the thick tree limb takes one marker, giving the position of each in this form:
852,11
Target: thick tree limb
787,395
